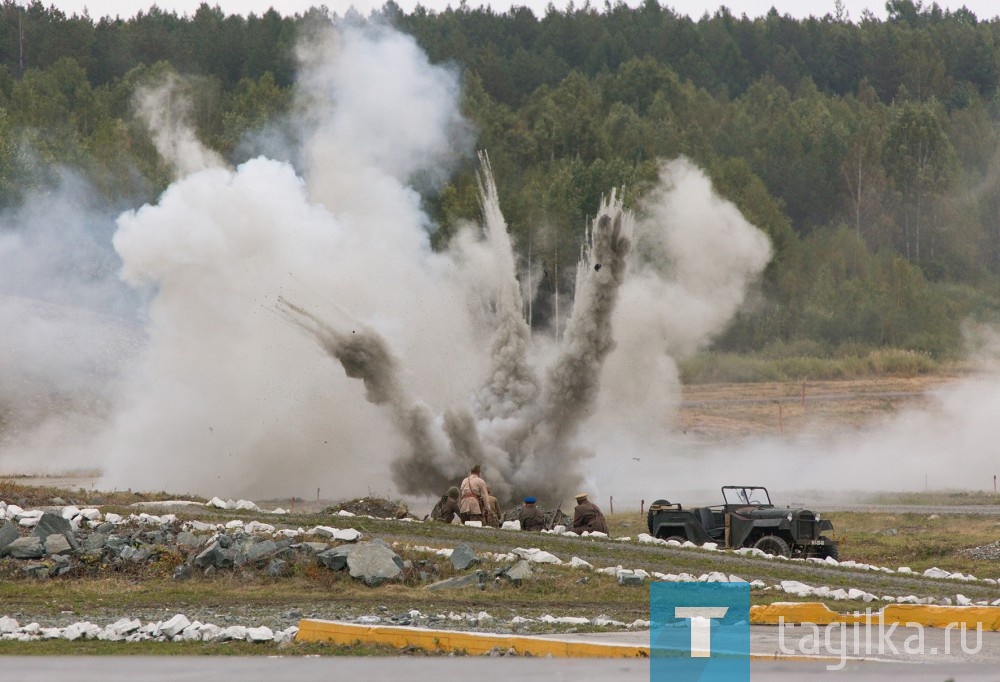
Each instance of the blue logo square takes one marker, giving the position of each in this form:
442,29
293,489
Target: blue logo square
700,632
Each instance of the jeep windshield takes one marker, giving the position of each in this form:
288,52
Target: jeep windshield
739,495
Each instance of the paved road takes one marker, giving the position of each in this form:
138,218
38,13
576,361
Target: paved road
231,669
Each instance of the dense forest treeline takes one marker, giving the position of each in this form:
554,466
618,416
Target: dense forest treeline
866,149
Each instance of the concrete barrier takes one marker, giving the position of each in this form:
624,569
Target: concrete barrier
473,643
927,615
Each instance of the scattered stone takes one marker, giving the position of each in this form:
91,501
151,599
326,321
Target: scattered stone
276,568
374,563
628,578
518,572
8,533
336,558
50,524
26,548
182,572
57,544
463,557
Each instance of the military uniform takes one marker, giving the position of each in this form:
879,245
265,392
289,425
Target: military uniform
445,510
587,516
531,517
475,498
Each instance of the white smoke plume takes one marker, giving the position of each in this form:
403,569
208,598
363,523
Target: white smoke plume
165,107
67,327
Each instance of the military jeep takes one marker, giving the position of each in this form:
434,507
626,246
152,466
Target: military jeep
746,519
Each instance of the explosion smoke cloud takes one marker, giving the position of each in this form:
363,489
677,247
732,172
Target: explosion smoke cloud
227,400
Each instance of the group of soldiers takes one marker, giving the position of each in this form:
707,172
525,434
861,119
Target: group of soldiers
472,501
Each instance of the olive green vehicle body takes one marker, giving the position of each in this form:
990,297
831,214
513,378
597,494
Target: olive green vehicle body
747,518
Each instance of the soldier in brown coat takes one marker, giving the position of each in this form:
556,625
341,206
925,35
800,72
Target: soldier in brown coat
587,516
447,507
531,517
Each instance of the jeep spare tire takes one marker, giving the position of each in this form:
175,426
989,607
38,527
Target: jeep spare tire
649,514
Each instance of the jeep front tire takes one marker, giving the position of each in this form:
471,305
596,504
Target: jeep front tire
772,544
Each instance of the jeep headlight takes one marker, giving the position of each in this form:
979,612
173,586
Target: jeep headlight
789,517
817,516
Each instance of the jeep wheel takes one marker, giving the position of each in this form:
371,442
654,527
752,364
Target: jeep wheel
772,544
649,514
830,549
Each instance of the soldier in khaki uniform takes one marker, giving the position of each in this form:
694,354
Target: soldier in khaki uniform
587,516
474,505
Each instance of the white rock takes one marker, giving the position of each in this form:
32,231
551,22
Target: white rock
715,577
577,562
90,514
511,525
113,518
936,573
710,545
279,510
124,626
736,579
247,505
286,635
610,570
518,619
175,625
260,634
216,502
8,624
639,623
235,523
474,524
536,555
234,632
344,512
904,569
605,621
70,512
855,593
796,588
202,526
258,527
962,600
838,594
210,632
908,599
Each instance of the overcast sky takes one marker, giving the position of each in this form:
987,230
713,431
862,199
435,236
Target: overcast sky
798,8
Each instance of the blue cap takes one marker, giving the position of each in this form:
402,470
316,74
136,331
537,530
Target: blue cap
530,500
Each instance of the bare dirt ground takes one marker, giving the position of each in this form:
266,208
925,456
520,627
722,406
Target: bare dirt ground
724,412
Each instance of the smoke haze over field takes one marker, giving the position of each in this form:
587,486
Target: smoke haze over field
282,327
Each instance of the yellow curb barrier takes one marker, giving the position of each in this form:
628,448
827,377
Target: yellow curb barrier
472,643
475,643
928,615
